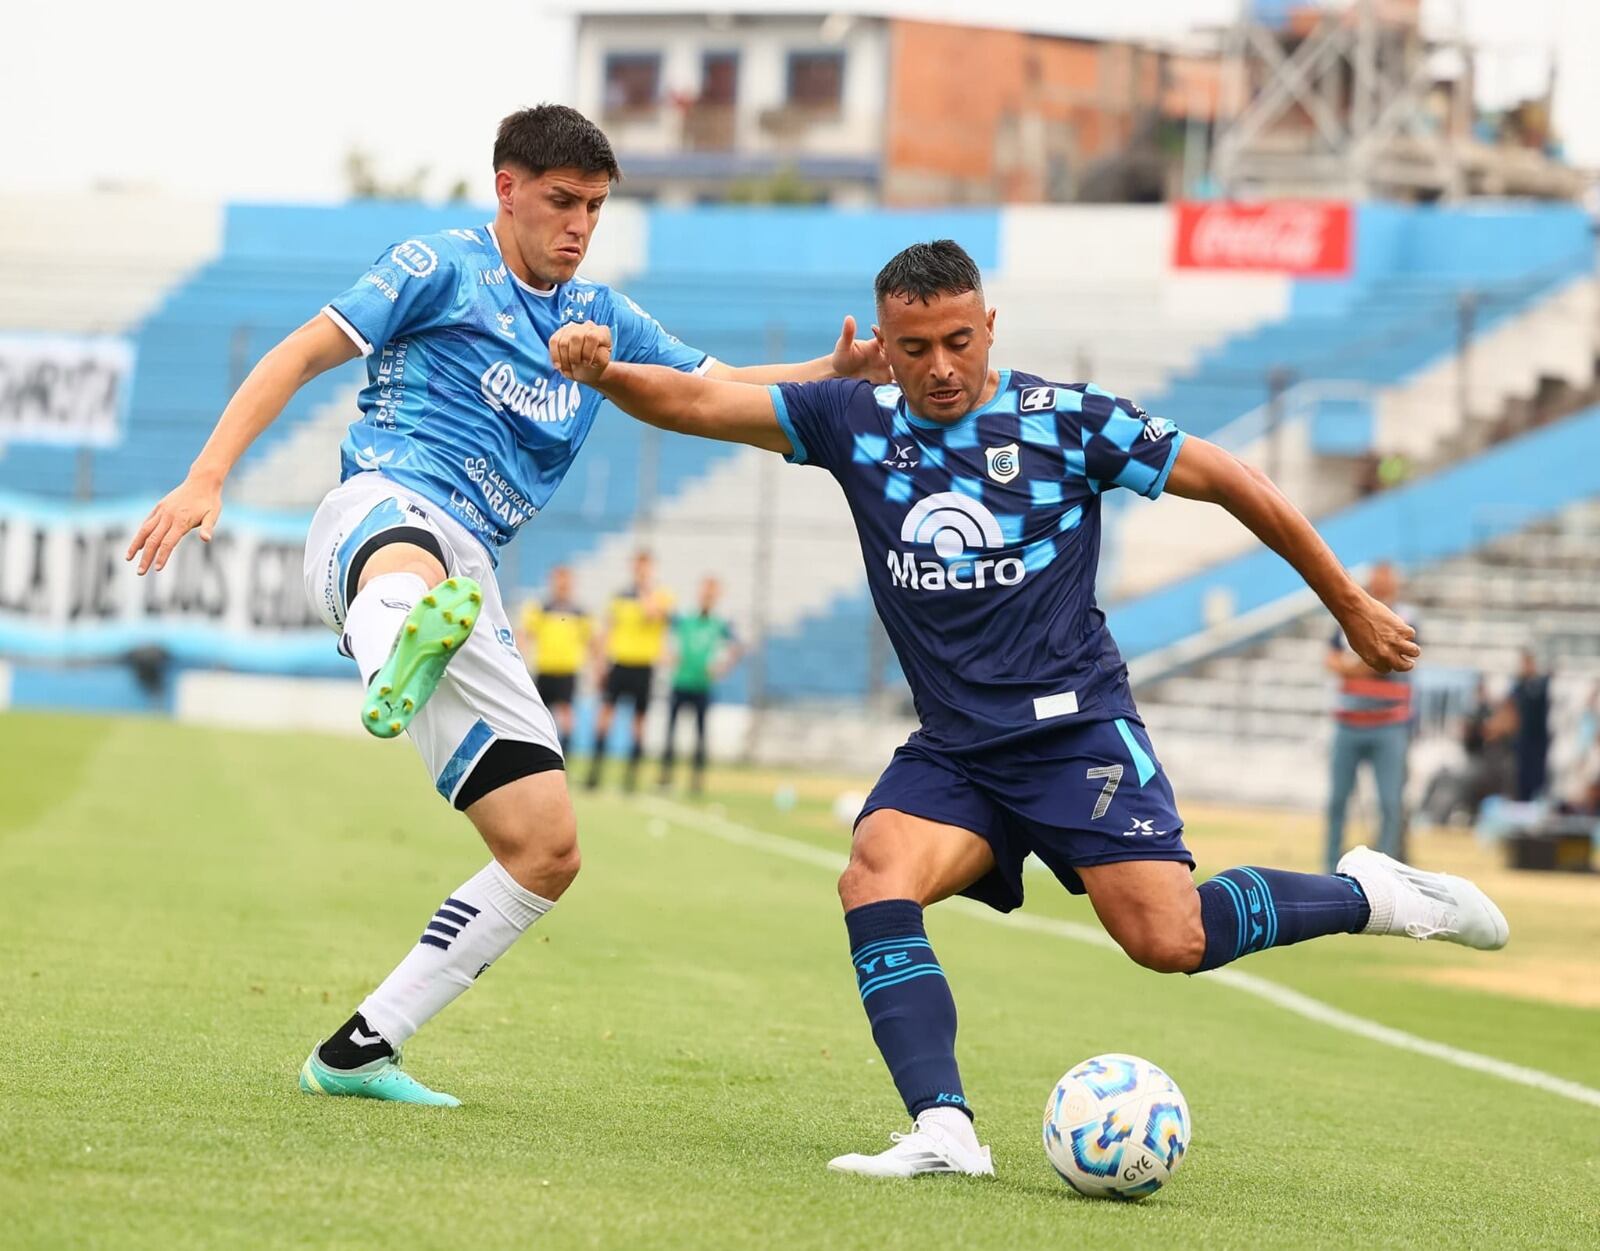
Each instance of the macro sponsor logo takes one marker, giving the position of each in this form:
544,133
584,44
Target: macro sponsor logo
415,257
955,526
535,401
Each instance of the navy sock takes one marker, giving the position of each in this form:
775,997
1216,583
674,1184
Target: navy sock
1248,909
908,1002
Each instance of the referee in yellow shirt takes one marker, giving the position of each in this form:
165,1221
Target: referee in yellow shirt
557,633
635,634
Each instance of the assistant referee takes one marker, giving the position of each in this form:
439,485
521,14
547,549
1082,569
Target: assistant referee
557,632
635,635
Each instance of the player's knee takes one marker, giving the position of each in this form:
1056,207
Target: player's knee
869,877
539,848
563,866
1169,949
403,558
546,866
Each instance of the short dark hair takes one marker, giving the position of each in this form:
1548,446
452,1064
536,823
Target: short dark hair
926,270
553,136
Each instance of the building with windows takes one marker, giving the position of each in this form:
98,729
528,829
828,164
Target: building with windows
849,107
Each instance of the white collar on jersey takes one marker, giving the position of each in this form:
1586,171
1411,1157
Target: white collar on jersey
531,290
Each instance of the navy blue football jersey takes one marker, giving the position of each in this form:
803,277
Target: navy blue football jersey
982,538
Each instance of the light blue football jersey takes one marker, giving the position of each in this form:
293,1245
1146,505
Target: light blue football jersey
462,404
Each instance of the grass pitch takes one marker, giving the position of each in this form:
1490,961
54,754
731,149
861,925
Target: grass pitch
672,1056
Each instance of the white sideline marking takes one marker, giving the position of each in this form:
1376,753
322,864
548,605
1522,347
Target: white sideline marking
1281,996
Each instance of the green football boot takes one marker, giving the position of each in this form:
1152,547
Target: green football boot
436,629
382,1079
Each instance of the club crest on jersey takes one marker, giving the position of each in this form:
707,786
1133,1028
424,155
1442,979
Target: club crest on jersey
1005,461
1036,400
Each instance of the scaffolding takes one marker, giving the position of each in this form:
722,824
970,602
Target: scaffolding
1356,101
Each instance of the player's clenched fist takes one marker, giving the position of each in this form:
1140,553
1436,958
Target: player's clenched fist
581,350
1381,638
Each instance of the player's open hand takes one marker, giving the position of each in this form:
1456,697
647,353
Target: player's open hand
1385,643
859,358
193,504
581,350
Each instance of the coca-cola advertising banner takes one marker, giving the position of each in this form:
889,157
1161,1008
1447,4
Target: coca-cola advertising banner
1279,236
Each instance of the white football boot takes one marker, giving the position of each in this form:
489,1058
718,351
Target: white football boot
1424,905
934,1145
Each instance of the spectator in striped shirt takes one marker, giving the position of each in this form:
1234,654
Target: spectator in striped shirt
1372,723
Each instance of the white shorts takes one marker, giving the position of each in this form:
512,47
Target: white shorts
486,693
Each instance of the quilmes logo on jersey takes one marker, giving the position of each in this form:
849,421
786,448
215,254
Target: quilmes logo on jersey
958,528
536,400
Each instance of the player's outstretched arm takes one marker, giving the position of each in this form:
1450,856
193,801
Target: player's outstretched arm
851,358
1203,471
735,412
196,502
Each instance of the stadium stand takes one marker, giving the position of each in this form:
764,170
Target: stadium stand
1082,290
1488,577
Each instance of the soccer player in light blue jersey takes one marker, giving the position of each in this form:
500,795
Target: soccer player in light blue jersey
466,430
976,497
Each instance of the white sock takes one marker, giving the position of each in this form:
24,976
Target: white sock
472,929
954,1122
376,615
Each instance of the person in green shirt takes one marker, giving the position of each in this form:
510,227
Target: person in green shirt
704,649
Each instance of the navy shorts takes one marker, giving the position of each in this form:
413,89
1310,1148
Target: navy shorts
1084,795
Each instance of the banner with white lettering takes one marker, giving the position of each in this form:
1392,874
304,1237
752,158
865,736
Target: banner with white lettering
238,602
1305,237
68,390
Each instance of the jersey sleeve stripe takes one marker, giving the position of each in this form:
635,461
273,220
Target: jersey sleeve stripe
1160,484
704,367
354,335
781,410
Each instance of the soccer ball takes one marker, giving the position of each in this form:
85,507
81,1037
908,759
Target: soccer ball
1116,1126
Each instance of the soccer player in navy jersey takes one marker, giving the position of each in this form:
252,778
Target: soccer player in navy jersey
976,497
465,432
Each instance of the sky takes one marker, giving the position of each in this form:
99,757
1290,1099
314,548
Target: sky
240,101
